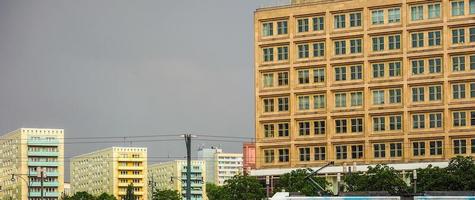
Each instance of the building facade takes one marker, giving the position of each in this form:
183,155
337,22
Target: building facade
172,176
365,82
25,152
220,166
111,170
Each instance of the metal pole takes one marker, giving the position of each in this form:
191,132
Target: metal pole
42,180
188,166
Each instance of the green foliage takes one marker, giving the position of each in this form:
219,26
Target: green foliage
105,196
166,195
244,187
81,196
378,178
129,195
215,192
458,176
295,182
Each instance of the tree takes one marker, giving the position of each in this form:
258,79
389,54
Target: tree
295,182
244,187
130,193
105,196
378,178
81,196
215,192
166,195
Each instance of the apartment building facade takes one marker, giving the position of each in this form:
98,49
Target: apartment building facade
25,152
365,82
172,176
111,170
220,166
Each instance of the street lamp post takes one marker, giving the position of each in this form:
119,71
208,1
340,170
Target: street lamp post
27,182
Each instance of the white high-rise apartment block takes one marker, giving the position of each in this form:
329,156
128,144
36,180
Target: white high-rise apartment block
220,166
26,151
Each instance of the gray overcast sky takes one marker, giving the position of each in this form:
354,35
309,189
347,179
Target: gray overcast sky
122,67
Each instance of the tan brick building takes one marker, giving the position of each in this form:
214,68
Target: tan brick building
364,81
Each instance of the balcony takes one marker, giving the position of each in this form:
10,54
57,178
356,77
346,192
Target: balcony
45,184
130,176
130,167
127,184
43,142
49,174
45,194
43,164
43,153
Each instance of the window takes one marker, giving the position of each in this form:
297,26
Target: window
340,100
394,15
434,38
283,129
356,72
268,80
355,19
319,127
418,121
378,70
395,149
472,11
379,124
472,34
340,73
394,42
435,93
319,101
377,17
395,96
418,94
283,78
283,104
319,49
268,54
459,119
435,120
417,67
339,21
458,8
319,153
435,65
357,151
356,98
472,90
304,128
302,25
283,155
417,12
378,43
460,146
458,36
378,97
283,53
473,146
418,148
267,29
395,123
357,125
341,126
417,40
458,63
269,155
394,69
435,148
304,154
341,152
472,62
268,105
268,130
319,75
458,91
355,46
379,150
318,23
434,11
282,27
303,76
304,102
340,47
303,50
